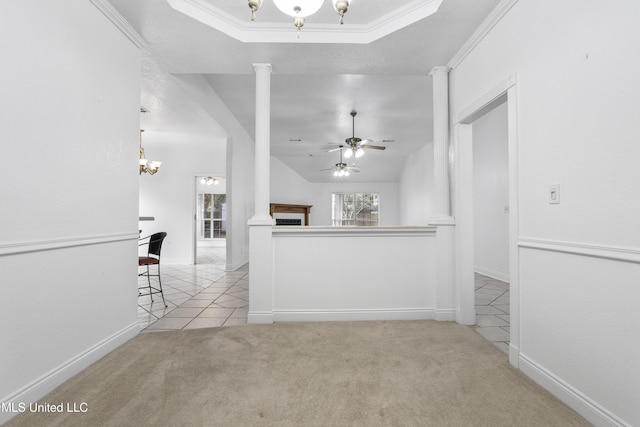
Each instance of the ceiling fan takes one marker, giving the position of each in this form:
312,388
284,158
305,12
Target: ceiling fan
341,168
356,145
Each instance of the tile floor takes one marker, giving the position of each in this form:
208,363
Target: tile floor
197,296
492,310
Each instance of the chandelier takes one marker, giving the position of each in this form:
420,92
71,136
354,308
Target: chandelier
208,180
300,9
146,166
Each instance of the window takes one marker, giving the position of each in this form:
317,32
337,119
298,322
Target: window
359,209
212,216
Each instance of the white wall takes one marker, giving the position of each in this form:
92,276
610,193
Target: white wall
169,195
336,288
491,194
69,195
579,269
416,187
239,167
288,187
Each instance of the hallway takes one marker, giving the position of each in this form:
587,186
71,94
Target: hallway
492,310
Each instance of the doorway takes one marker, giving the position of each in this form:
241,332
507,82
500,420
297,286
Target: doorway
504,96
491,225
210,226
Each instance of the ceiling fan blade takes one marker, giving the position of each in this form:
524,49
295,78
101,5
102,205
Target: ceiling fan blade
333,149
355,170
375,147
328,169
366,141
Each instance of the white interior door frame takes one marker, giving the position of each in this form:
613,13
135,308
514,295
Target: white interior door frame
506,91
194,223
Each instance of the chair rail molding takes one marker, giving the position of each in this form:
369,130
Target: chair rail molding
346,231
617,253
62,243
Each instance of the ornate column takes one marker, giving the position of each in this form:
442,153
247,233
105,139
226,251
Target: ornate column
260,225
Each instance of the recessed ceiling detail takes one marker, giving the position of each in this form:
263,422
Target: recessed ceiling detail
397,17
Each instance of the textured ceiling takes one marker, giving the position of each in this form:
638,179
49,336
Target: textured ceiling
314,85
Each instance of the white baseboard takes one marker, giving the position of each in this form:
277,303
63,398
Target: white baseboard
236,265
260,317
592,411
361,315
52,379
445,315
494,274
514,355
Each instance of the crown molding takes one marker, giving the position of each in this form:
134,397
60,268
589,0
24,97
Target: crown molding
120,22
480,33
269,32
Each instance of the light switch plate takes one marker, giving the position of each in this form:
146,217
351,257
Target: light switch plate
554,194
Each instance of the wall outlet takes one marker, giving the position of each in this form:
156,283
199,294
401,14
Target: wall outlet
554,194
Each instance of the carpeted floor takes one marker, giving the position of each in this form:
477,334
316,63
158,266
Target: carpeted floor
413,373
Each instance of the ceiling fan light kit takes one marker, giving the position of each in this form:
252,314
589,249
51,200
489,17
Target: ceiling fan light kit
299,9
355,144
357,153
341,169
354,148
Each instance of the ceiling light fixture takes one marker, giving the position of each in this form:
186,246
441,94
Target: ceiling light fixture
146,166
353,152
356,144
208,180
342,169
300,9
353,142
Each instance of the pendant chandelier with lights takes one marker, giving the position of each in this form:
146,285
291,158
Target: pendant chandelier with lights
300,9
146,166
208,180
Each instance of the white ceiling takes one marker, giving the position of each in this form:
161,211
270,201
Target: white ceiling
314,85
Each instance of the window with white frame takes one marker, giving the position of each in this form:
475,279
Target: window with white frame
355,209
212,216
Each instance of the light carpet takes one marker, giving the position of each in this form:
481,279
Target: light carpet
396,373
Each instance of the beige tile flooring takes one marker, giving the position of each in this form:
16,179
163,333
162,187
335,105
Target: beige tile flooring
492,310
197,296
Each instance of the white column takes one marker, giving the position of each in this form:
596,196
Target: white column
263,140
446,305
260,225
440,77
